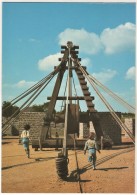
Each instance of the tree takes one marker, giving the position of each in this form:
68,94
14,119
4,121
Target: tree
37,108
8,109
41,108
14,130
128,115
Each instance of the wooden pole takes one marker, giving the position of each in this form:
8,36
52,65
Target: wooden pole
66,113
101,142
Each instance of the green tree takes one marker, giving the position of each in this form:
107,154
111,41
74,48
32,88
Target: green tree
8,109
14,130
41,108
37,108
128,115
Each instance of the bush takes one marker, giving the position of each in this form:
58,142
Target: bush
14,131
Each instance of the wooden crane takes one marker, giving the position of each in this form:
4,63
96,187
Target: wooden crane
72,116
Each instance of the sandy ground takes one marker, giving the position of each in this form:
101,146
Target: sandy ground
115,171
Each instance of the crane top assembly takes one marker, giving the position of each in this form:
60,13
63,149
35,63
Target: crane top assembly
70,62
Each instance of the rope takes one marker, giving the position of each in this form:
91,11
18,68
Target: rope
64,96
74,87
131,108
112,112
5,128
108,91
19,109
65,90
31,89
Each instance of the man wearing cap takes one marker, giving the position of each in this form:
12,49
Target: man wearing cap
92,146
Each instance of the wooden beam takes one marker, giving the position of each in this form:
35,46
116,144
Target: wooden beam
71,98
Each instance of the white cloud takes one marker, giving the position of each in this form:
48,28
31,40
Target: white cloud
49,62
89,42
110,40
86,62
130,74
105,76
10,91
24,83
33,40
119,39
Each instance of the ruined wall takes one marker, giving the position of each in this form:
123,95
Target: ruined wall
110,126
130,123
35,119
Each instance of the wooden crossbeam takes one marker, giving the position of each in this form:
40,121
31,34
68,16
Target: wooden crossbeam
70,98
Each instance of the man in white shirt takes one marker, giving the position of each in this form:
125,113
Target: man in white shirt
25,139
92,146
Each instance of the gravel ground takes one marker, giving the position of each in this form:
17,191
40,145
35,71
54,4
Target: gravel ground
115,171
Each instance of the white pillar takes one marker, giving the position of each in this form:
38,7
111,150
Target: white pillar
83,130
91,127
129,124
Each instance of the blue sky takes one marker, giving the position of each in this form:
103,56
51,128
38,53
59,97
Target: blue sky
33,32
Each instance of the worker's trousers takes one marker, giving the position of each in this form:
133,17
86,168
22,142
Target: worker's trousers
92,156
25,142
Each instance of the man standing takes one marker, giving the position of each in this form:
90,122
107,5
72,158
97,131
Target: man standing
92,146
25,139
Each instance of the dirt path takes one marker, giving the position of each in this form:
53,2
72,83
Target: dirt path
114,174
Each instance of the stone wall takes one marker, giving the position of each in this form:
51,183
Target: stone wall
110,126
130,123
35,119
